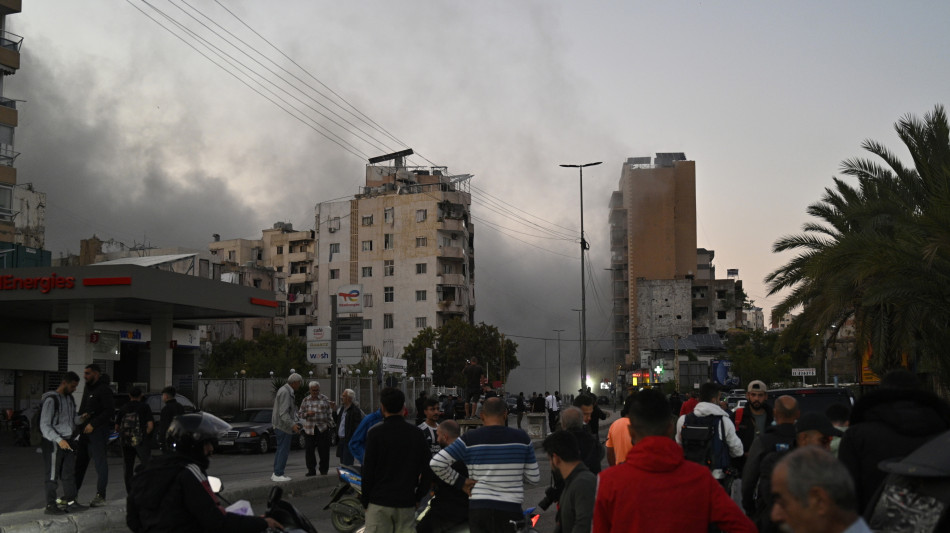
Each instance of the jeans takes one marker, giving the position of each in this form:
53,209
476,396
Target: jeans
129,453
283,451
319,441
93,445
60,466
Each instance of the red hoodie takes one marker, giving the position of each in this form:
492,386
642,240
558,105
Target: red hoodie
656,490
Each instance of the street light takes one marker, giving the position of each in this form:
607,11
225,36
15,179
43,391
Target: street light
584,248
559,358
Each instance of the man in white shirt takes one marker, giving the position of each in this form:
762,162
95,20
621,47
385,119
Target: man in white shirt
553,406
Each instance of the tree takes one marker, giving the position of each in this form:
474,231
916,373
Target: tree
456,342
257,358
761,355
880,253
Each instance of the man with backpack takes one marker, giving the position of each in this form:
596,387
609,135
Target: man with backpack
708,436
777,438
57,423
134,424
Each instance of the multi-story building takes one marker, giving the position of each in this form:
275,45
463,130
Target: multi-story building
779,323
408,239
716,306
12,253
652,237
282,260
753,318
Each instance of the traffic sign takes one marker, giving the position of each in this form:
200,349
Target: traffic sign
804,372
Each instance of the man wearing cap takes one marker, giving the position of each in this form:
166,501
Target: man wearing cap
750,421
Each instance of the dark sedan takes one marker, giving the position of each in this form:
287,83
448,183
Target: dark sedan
251,430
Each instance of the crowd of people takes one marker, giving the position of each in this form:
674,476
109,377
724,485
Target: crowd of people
671,465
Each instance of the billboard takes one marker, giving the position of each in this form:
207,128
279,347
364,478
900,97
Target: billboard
722,373
349,299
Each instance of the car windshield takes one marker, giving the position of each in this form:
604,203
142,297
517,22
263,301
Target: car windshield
253,415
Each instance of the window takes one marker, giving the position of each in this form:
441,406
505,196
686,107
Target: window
230,255
446,242
367,300
367,246
446,268
388,294
420,296
388,240
420,215
334,273
367,220
721,294
388,215
420,242
389,267
334,225
280,269
334,247
420,321
421,268
6,206
721,315
387,321
367,272
367,323
291,249
257,283
280,250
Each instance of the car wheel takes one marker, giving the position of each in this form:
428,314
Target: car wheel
263,444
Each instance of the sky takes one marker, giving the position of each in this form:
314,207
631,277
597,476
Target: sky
135,136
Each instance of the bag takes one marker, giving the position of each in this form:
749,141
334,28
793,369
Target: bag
762,496
131,429
702,442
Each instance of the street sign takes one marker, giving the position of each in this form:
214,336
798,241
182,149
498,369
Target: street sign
803,372
393,364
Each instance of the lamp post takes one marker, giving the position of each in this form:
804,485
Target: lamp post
578,311
558,331
584,248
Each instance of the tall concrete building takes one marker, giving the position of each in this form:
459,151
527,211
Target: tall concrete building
652,237
408,239
11,254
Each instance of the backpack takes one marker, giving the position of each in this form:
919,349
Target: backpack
131,429
38,413
702,441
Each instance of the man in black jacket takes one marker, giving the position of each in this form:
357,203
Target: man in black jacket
347,419
396,456
173,493
171,409
889,423
777,438
95,414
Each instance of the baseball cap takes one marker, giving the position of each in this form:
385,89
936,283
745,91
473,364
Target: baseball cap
757,386
818,422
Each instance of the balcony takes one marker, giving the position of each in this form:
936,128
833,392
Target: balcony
9,7
452,279
299,320
299,298
304,277
298,257
452,307
7,155
8,112
9,52
451,252
452,224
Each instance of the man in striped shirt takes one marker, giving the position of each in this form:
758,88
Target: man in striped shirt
499,459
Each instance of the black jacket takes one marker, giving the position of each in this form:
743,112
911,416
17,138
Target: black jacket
744,421
353,418
885,424
595,419
172,495
591,452
97,401
171,409
396,456
774,438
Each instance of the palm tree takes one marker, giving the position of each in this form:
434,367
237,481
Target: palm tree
880,252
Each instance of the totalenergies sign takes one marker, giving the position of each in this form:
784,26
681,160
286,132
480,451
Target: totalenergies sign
349,299
44,284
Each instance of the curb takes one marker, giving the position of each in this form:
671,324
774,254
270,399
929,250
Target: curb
112,515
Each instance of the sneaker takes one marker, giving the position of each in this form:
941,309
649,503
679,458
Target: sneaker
310,474
98,501
73,507
61,502
54,509
275,478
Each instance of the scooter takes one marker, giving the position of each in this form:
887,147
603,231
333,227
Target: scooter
278,509
346,510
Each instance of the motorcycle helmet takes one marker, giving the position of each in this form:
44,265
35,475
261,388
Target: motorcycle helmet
187,435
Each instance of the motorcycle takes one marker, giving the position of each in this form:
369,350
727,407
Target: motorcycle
278,509
346,510
529,520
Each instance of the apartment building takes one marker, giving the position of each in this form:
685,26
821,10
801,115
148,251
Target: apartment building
753,318
12,254
652,237
408,239
282,260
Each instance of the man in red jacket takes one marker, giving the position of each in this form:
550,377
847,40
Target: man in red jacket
656,489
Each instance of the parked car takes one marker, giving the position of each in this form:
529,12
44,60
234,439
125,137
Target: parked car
603,400
814,399
732,400
154,402
251,430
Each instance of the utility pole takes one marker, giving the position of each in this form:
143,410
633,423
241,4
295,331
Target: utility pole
558,358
